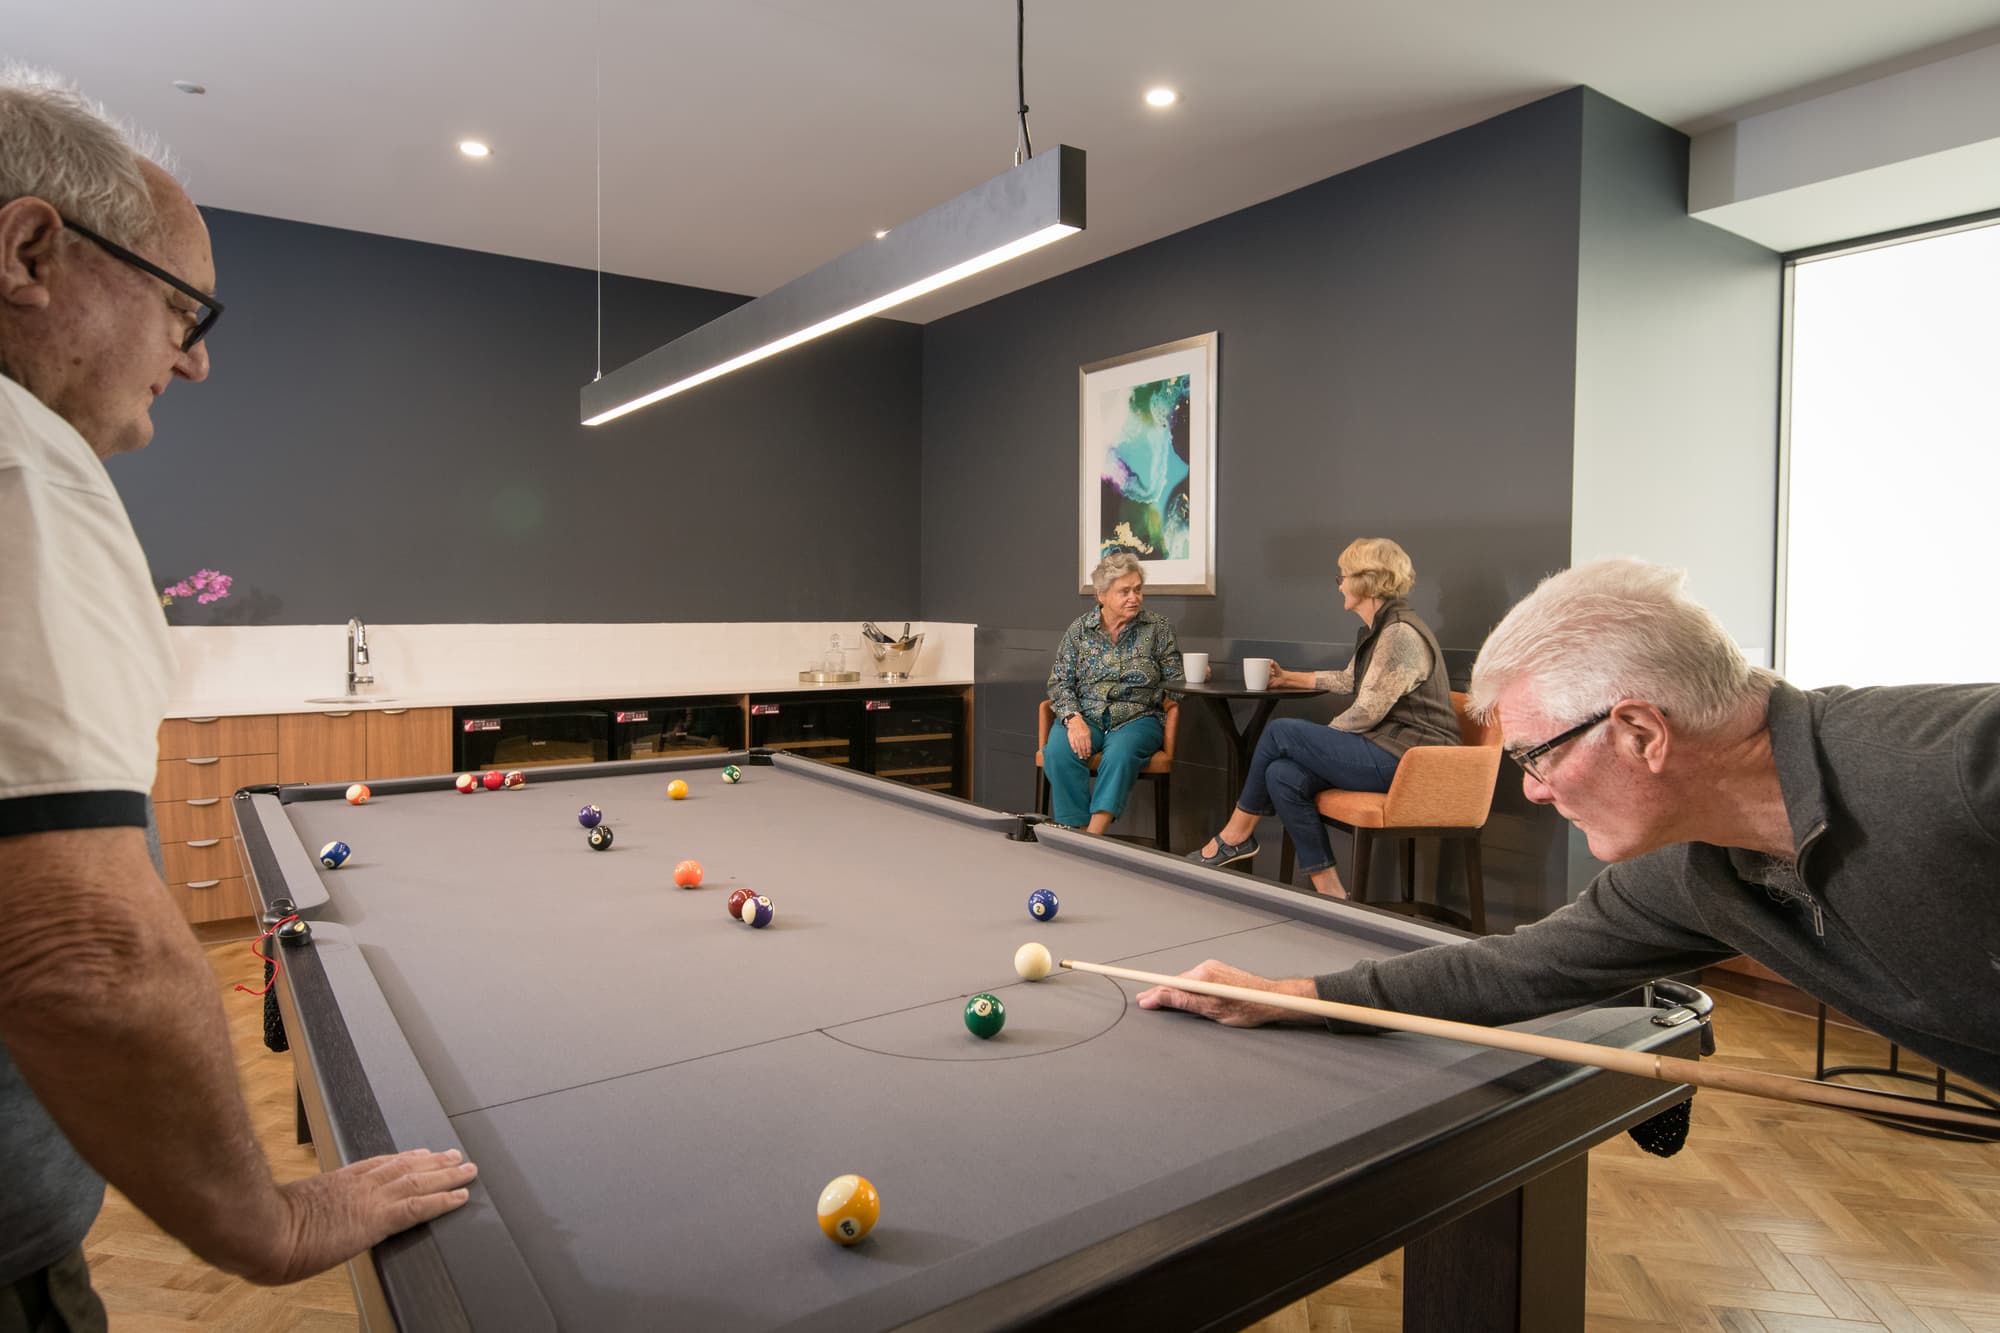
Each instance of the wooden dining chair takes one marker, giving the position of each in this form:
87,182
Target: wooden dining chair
1159,769
1439,791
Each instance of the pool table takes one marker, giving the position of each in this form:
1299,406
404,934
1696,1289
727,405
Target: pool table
655,1093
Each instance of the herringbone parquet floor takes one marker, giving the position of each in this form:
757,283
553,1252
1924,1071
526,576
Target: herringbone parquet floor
1775,1218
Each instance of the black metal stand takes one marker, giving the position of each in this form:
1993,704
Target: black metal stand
1945,1088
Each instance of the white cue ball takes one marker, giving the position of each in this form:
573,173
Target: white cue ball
1032,961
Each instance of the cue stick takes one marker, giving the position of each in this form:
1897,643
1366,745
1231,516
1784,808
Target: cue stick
1666,1068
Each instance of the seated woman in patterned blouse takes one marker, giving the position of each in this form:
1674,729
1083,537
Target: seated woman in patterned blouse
1106,691
1401,698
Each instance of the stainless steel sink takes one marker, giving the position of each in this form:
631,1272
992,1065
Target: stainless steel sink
353,700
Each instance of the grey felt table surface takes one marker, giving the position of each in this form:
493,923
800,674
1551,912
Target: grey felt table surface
655,1094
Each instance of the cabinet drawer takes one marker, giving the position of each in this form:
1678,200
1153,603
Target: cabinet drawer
192,821
322,747
197,737
409,742
193,862
212,899
199,778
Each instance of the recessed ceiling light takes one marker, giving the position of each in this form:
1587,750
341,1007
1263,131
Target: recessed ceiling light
474,148
1161,97
189,86
880,234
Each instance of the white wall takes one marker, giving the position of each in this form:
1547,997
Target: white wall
1903,150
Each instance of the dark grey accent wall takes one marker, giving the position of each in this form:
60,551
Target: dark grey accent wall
391,431
1397,358
1407,349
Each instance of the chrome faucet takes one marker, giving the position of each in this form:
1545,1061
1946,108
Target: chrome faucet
357,654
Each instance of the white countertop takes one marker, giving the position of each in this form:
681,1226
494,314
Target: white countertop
235,671
374,701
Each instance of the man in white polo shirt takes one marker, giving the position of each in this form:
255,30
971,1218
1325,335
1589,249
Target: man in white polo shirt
114,1057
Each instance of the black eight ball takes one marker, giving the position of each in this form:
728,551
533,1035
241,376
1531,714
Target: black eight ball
600,838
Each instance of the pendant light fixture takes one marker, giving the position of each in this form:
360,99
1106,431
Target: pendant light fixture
1040,200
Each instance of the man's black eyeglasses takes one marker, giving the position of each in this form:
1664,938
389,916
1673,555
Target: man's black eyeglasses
1531,758
207,309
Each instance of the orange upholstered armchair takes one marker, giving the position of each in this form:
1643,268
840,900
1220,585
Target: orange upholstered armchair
1159,769
1439,791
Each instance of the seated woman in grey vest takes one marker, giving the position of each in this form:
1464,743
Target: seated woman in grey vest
1401,699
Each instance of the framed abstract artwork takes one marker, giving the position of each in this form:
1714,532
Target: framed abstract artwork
1146,474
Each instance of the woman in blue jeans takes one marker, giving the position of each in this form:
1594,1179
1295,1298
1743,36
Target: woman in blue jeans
1106,692
1401,699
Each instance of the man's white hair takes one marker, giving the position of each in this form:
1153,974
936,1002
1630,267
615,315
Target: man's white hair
1617,629
58,145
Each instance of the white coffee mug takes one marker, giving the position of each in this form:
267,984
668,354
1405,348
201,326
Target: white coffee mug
1257,672
1195,666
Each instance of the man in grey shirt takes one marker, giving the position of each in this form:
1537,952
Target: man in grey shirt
1848,839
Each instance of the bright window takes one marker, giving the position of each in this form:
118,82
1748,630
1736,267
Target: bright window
1890,567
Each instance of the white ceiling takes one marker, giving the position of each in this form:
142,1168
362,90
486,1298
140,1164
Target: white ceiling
747,141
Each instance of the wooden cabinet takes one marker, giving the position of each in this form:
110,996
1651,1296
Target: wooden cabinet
212,775
202,762
322,747
206,858
190,821
408,742
364,745
197,737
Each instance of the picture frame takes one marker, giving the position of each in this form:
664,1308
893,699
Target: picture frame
1146,464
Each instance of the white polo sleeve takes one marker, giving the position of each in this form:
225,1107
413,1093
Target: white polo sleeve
89,663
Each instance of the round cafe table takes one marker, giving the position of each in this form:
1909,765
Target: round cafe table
1218,695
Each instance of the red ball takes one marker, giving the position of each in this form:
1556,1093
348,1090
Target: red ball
467,782
737,897
687,874
494,779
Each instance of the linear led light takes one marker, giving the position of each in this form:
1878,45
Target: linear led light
1041,200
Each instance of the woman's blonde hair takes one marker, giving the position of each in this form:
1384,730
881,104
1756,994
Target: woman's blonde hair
1379,567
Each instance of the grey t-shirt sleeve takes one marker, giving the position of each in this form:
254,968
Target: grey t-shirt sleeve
1629,927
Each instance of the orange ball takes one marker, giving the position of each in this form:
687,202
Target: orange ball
677,789
358,794
687,874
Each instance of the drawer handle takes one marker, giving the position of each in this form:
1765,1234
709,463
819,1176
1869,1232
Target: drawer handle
345,712
393,712
204,883
207,800
201,720
216,759
205,842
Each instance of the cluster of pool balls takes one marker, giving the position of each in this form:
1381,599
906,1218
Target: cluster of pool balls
491,780
750,908
985,1015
